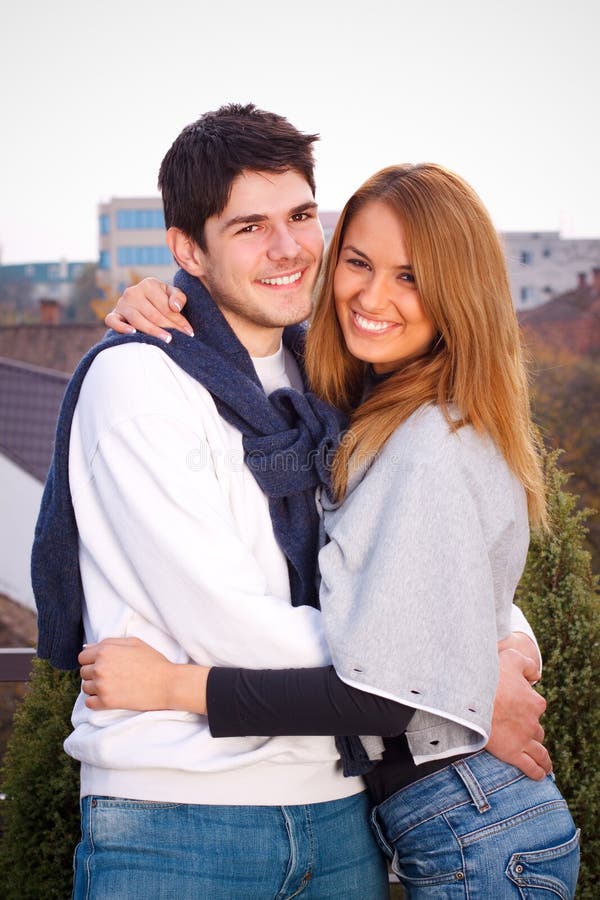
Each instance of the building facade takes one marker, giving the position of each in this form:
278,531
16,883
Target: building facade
542,264
132,242
24,284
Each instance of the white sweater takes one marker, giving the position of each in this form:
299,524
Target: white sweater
177,548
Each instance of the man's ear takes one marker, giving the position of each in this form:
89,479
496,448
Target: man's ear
186,251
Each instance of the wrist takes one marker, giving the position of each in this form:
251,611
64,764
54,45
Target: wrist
186,688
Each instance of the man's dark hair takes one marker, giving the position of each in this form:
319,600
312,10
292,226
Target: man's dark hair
197,173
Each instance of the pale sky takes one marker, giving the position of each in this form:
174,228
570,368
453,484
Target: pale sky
94,93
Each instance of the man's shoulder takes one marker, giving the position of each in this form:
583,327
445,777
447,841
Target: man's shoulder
130,378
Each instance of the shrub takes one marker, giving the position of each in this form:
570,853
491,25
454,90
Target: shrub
559,595
41,783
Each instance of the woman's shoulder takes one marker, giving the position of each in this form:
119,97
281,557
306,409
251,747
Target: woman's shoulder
430,430
433,438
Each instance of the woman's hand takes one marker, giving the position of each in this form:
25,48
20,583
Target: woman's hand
149,306
127,673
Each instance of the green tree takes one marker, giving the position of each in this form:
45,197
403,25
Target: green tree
559,595
566,404
41,783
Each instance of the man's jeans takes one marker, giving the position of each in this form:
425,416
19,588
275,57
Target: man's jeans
169,851
480,829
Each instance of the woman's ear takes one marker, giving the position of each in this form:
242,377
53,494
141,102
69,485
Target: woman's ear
186,251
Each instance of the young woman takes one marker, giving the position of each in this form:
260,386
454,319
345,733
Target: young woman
433,486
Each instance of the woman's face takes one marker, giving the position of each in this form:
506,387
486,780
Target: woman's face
376,299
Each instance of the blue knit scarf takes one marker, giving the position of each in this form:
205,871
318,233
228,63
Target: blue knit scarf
288,440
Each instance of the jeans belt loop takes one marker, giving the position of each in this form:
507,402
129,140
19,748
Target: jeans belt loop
469,780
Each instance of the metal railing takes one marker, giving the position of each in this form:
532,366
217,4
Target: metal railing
15,663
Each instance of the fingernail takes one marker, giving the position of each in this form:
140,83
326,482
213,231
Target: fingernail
167,338
132,330
176,305
189,331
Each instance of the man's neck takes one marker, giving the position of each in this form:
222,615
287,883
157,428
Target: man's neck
258,340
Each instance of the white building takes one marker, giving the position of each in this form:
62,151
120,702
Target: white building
132,242
542,264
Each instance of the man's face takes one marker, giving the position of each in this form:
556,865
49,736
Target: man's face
262,256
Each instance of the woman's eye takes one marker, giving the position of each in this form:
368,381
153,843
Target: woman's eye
408,277
358,263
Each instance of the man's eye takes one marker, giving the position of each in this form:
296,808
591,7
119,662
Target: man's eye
301,217
247,229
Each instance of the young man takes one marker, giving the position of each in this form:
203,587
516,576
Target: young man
191,537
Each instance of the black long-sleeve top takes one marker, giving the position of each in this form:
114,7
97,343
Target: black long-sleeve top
315,701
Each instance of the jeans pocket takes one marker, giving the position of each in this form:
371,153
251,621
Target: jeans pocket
553,870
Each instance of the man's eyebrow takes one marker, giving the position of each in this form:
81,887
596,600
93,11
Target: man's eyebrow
303,207
255,218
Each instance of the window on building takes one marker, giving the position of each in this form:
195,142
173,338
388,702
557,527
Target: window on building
104,260
140,218
546,252
104,223
526,294
144,256
526,257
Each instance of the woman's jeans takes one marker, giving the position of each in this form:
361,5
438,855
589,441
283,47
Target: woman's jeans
166,851
480,829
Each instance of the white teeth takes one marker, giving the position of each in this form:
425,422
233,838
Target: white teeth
370,325
284,279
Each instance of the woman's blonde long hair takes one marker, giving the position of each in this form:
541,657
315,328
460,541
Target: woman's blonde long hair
476,361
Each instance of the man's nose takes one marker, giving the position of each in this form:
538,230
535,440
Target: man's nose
283,244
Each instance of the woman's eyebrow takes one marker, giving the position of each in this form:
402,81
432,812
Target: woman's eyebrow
357,251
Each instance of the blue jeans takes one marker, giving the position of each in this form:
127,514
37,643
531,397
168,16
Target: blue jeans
480,829
168,851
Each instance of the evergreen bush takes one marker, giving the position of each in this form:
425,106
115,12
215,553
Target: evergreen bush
40,815
559,595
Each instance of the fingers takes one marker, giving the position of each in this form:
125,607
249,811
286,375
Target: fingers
90,652
530,767
518,662
177,298
115,320
150,307
534,761
540,756
531,670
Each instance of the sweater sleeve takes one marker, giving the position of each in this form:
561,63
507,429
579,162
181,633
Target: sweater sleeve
297,701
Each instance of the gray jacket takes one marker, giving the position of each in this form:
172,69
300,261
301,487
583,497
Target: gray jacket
419,575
